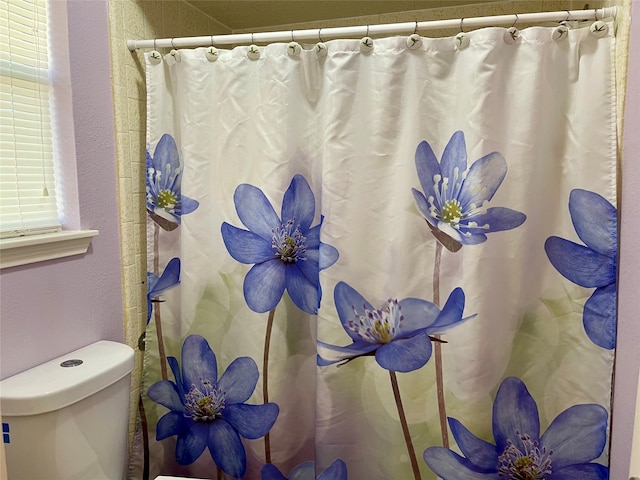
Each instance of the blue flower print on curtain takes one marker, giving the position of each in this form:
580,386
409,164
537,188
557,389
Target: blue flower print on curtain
157,285
210,412
286,251
593,264
564,452
398,333
307,471
165,202
454,202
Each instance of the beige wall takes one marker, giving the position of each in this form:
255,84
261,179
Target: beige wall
147,19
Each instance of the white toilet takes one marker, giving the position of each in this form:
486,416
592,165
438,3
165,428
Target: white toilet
68,418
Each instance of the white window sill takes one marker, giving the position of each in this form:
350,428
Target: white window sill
38,248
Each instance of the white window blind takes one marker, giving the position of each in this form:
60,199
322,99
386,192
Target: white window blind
27,181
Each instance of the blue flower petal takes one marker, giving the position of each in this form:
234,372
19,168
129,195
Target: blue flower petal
346,299
454,157
405,354
170,278
255,211
599,317
451,313
483,179
303,292
304,471
417,314
330,354
328,256
336,471
584,471
423,207
474,239
595,221
427,167
264,285
514,410
449,465
577,435
482,454
198,363
166,394
251,421
239,380
187,205
226,449
245,246
172,423
192,443
309,267
166,157
299,203
580,264
313,237
495,220
271,472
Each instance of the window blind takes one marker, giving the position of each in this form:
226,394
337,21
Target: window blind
27,180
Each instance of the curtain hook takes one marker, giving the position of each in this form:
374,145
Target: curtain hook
415,30
367,31
568,16
595,13
516,21
292,39
320,35
172,45
252,39
154,44
212,43
462,24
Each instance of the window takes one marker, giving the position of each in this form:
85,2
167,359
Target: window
34,100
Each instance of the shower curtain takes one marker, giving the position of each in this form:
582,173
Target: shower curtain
383,258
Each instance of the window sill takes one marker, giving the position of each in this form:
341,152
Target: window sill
38,248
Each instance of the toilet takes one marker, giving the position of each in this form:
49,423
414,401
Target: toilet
68,418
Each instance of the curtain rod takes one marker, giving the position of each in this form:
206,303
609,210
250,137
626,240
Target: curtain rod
322,34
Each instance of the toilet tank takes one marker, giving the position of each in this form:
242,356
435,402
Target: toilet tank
68,418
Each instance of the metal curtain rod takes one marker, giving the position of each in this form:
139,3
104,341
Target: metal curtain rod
322,34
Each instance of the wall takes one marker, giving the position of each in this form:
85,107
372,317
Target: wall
156,19
51,308
628,350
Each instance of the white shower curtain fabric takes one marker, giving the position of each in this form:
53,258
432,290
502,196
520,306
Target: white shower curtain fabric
383,263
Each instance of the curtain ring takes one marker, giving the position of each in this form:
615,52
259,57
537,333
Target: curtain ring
595,13
154,44
415,30
212,43
172,45
252,39
568,16
462,24
292,39
514,23
320,35
367,31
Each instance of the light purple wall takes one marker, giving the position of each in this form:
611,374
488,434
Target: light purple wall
51,308
628,346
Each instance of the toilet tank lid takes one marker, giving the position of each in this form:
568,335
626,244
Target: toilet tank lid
66,379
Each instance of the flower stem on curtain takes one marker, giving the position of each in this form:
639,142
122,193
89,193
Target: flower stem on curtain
438,351
156,310
265,377
405,426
